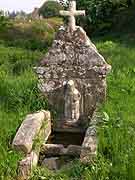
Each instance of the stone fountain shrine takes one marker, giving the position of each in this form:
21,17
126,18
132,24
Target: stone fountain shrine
72,76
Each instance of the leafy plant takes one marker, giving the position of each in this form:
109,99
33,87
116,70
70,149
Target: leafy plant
4,22
100,14
50,9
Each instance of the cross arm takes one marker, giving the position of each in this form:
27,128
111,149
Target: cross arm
64,13
79,13
75,13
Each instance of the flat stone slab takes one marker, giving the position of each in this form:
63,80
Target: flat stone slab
29,129
52,149
56,156
59,150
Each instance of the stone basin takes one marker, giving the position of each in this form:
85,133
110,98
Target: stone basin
62,146
66,138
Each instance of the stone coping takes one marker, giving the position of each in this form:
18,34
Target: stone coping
29,130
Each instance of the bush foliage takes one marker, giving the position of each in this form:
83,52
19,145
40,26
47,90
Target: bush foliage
50,9
100,14
31,35
4,22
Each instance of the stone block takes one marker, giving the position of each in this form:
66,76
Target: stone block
47,131
59,150
51,163
89,146
87,157
29,129
74,150
52,149
26,166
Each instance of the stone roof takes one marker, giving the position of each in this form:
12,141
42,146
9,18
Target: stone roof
73,55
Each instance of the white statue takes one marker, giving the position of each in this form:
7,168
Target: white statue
72,102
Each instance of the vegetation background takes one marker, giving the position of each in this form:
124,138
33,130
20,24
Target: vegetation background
22,45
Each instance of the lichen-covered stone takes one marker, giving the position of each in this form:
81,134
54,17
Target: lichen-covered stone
89,145
52,163
29,130
60,150
73,57
52,149
26,165
74,150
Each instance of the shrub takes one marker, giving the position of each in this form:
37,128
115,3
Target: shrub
4,22
35,35
50,9
100,13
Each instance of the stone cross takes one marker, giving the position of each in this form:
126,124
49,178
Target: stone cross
72,13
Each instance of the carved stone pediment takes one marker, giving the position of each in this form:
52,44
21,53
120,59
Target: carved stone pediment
73,57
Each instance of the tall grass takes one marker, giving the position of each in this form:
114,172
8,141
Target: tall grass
117,135
33,35
18,96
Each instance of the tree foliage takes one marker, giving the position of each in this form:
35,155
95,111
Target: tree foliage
126,3
100,13
50,9
4,22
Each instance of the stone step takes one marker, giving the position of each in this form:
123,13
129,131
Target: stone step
69,129
68,126
59,150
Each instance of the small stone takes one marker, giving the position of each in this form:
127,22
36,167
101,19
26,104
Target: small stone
51,163
40,70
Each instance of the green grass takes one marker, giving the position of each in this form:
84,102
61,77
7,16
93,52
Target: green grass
19,95
32,35
116,136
